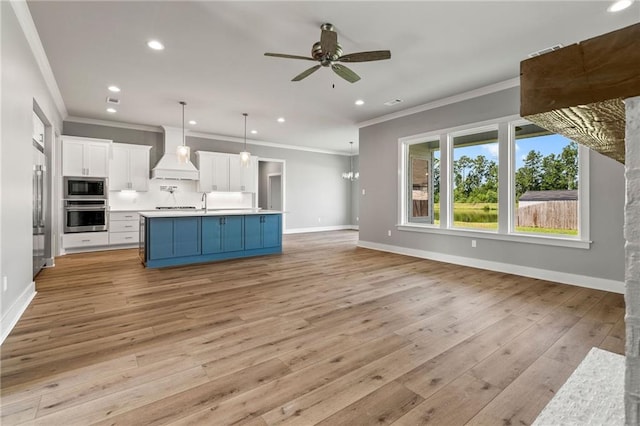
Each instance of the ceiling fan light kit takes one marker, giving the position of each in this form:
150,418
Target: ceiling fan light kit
328,52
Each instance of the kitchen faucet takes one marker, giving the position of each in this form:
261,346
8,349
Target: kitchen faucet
204,201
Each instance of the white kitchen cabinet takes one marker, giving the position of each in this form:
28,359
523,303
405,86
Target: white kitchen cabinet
85,239
242,179
129,167
214,171
85,157
124,228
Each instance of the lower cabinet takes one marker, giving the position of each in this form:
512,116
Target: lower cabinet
174,237
222,234
170,241
262,231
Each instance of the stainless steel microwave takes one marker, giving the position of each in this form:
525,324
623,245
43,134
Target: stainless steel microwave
84,188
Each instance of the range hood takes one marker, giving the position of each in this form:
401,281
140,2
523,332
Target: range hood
169,167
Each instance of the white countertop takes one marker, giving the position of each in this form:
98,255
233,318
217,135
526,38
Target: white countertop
212,212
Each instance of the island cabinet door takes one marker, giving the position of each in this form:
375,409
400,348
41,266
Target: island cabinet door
271,234
160,238
253,232
186,236
212,235
233,233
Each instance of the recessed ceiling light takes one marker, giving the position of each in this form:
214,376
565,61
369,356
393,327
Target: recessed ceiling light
359,102
114,89
193,122
254,132
619,5
111,110
281,120
155,45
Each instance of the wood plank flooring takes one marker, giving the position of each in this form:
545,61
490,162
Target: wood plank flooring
326,333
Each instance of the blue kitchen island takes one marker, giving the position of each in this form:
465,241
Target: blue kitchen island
184,237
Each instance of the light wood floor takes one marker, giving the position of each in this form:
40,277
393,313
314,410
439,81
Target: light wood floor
326,333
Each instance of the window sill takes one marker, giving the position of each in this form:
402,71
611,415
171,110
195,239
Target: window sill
490,235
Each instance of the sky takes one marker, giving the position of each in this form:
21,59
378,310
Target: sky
543,144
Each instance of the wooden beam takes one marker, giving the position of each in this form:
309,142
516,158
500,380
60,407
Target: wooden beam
578,91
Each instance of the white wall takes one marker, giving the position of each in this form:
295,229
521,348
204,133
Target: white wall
21,84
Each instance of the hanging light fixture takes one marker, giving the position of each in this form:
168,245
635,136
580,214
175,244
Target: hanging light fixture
245,155
183,151
351,175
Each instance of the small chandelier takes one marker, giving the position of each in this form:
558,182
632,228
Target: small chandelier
351,175
245,155
183,151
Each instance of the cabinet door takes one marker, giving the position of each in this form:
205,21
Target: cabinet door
72,158
160,238
139,169
248,180
186,236
119,169
220,166
235,174
271,235
96,159
205,167
212,235
252,232
233,235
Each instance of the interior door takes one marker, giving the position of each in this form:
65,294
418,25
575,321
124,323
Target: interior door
274,192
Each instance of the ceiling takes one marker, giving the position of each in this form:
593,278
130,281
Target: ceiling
213,58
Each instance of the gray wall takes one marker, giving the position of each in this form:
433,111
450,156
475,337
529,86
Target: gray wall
22,85
316,194
265,168
378,208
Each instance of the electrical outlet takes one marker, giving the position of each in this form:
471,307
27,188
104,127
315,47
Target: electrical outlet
389,233
363,191
473,243
357,218
319,219
4,283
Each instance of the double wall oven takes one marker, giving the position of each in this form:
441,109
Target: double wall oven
85,204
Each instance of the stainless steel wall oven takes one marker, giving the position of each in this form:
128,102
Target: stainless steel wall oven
85,215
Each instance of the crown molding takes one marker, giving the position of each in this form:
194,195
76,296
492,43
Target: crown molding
118,124
481,91
212,136
25,20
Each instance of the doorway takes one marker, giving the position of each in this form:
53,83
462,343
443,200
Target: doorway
272,185
274,191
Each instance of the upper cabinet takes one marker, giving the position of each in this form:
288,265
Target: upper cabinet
242,179
129,167
85,157
223,172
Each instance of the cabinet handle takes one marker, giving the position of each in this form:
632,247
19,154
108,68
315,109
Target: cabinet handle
128,226
128,216
86,241
128,238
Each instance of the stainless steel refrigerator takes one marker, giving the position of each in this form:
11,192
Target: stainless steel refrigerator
39,207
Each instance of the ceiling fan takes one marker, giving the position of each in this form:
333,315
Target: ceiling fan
327,51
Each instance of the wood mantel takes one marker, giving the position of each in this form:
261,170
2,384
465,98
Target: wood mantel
578,91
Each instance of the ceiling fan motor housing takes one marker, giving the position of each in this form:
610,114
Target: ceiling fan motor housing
325,58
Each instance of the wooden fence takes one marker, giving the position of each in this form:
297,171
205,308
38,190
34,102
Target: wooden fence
549,214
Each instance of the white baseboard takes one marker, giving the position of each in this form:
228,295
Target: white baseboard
13,314
525,271
319,229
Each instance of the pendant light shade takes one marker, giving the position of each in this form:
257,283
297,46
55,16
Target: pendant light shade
351,175
183,151
245,156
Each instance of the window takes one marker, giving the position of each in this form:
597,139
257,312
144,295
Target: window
502,179
475,179
546,182
424,182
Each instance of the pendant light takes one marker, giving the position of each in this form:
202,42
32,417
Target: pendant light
351,175
183,151
245,155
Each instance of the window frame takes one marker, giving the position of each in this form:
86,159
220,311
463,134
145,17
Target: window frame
506,187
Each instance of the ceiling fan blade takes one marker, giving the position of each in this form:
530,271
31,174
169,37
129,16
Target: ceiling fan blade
345,73
376,55
283,55
328,41
306,73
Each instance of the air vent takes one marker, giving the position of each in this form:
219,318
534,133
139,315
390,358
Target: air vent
546,50
393,102
113,101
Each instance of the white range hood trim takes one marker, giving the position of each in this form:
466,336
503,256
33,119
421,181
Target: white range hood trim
169,167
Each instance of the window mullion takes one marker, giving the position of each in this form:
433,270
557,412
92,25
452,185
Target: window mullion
505,181
446,197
